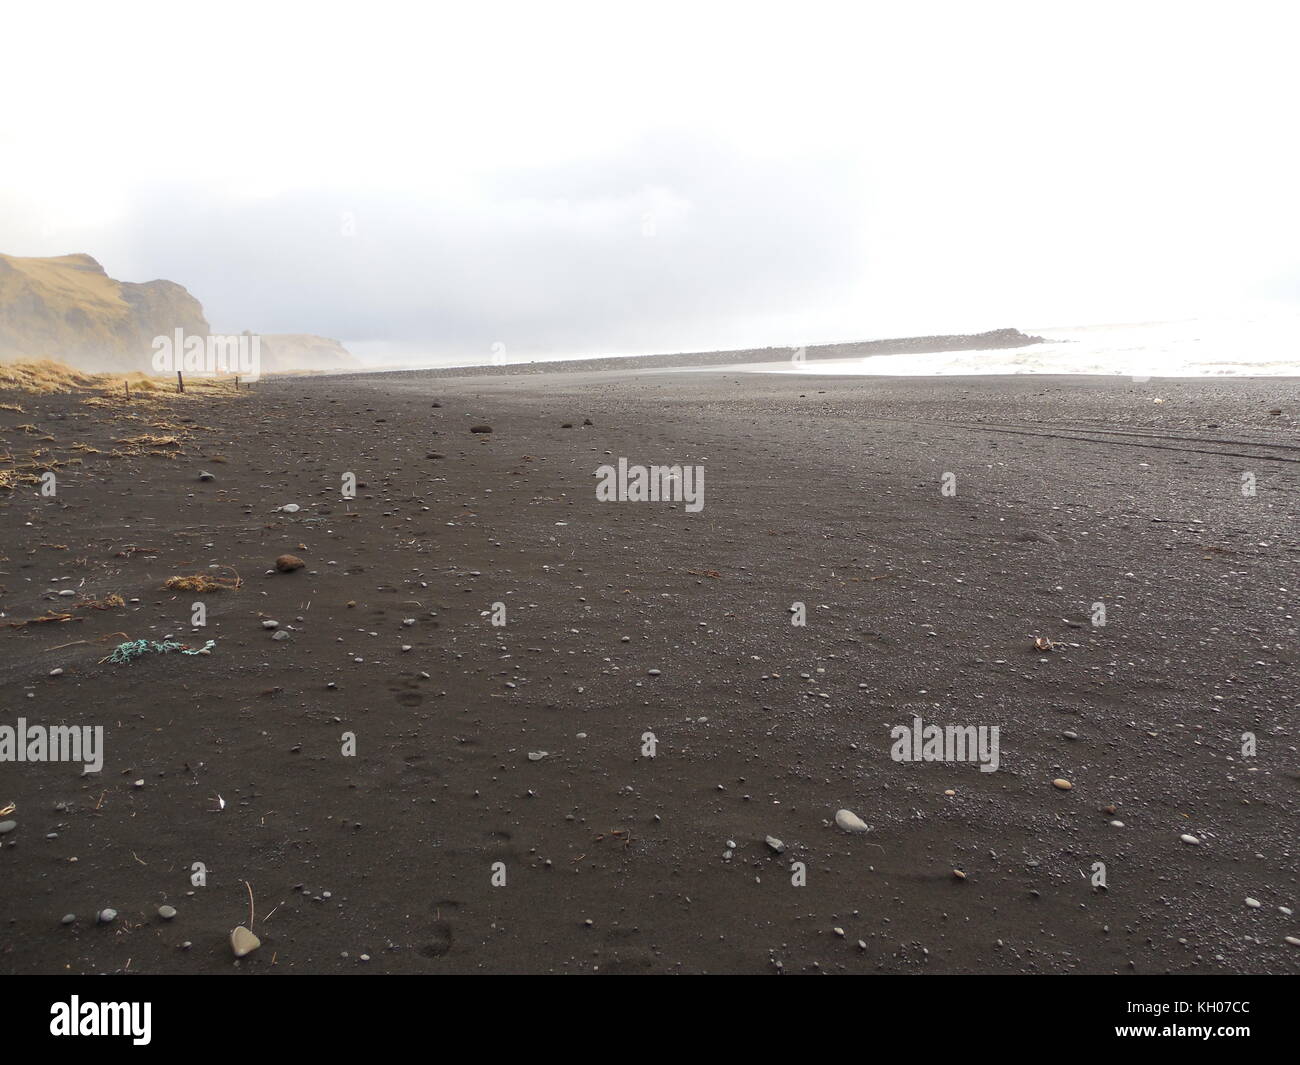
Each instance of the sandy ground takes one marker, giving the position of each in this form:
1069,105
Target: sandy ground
822,491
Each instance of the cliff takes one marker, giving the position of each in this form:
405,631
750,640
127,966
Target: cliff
283,352
68,309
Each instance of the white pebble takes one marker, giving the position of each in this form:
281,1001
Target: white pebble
850,822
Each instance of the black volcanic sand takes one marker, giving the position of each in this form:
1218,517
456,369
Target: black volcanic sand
819,490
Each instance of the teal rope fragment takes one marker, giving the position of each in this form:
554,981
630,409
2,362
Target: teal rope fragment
133,649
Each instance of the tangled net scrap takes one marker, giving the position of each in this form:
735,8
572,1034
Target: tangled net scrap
132,649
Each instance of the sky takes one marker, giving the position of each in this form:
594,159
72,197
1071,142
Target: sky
569,179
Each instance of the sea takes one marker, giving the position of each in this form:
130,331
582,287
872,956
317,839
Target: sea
1260,347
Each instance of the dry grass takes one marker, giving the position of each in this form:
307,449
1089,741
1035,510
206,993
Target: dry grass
49,377
187,427
11,479
202,582
25,472
43,460
151,440
45,619
109,602
149,444
152,400
44,376
15,471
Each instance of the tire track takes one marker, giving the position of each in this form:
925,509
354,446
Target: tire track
1141,441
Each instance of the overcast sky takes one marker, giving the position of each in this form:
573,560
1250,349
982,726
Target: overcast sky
614,178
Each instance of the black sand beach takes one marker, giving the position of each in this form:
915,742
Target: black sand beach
825,491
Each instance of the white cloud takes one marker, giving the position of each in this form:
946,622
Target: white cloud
612,178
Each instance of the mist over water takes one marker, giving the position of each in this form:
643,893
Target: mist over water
1263,346
1268,346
